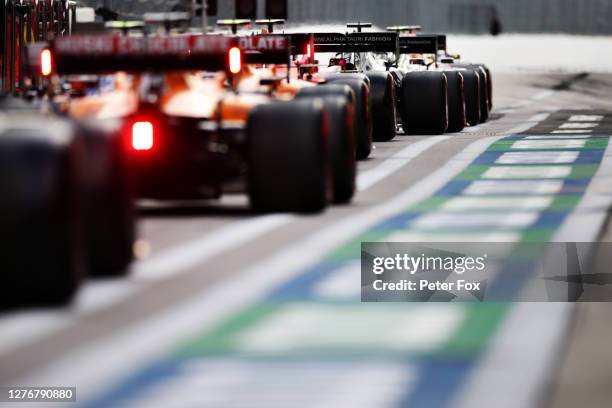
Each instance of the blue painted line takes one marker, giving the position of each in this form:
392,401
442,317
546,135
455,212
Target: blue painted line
302,288
138,384
438,382
585,157
456,187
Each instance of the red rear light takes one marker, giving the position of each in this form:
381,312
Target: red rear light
235,60
309,51
46,62
142,136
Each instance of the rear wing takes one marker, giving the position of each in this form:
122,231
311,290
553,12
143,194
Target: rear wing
441,42
266,49
422,44
100,54
302,44
356,42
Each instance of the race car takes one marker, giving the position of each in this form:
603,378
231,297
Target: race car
418,97
413,57
485,76
359,84
476,77
478,84
66,211
192,129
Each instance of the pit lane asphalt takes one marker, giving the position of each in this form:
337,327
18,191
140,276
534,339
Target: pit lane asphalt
518,97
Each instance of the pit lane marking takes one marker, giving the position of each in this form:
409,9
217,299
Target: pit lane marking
490,187
538,157
522,172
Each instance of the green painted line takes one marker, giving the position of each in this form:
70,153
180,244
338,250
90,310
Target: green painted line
431,204
538,234
506,145
579,171
221,339
565,202
477,330
478,323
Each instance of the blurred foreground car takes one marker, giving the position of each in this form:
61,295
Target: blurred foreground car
189,126
66,210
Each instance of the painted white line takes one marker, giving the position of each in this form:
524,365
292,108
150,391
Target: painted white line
474,129
578,125
538,157
433,236
519,203
540,117
443,221
586,118
571,131
282,383
397,161
490,187
548,144
527,172
418,329
560,137
543,95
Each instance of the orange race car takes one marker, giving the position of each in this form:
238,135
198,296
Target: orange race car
360,84
198,119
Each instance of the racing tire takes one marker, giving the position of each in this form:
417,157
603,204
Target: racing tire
382,102
363,124
42,254
339,105
471,82
489,86
288,167
484,94
424,107
456,102
109,210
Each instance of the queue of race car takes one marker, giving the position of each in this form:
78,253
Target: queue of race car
150,109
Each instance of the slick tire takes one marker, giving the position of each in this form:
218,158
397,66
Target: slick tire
339,104
382,102
484,94
109,207
41,251
424,107
288,167
471,82
483,84
363,125
456,102
489,87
